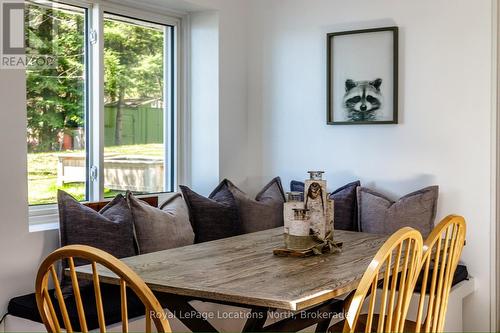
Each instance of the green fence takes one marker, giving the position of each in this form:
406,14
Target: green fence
140,125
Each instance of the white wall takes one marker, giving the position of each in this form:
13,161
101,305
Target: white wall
20,251
219,123
233,90
445,93
204,90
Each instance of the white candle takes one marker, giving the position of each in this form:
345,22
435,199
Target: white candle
299,227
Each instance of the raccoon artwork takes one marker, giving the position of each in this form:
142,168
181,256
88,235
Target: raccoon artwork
362,99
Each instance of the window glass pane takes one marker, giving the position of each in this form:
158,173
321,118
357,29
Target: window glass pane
134,106
56,102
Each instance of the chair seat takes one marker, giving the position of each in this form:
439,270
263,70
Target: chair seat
25,306
361,325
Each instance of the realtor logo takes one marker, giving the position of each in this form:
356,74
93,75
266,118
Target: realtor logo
13,48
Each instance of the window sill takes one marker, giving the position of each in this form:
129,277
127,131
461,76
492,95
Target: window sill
44,226
46,217
43,218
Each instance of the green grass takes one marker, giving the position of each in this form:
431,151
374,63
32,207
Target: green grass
42,172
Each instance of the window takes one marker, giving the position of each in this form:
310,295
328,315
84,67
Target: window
94,145
56,107
134,120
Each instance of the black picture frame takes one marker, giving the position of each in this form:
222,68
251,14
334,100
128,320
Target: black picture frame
330,112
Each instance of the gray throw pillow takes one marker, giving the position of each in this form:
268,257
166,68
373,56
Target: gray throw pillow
380,215
265,212
111,229
214,217
163,228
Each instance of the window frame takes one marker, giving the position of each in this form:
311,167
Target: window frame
46,217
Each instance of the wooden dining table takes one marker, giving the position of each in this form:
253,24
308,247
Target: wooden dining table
242,271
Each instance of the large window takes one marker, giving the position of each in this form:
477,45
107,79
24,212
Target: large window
134,105
56,106
90,144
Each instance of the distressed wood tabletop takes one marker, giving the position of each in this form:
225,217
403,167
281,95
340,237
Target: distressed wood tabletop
243,270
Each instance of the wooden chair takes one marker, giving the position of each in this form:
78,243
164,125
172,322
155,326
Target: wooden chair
396,263
442,251
128,278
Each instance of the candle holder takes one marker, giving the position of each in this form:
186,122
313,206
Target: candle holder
300,214
300,225
294,196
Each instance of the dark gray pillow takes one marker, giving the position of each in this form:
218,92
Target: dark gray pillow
345,204
214,217
163,228
346,207
111,229
380,215
296,186
265,212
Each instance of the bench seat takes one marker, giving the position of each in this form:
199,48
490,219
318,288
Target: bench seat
460,275
23,312
25,306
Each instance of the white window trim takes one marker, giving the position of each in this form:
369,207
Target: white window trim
46,217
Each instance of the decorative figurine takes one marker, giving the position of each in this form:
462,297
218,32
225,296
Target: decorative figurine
308,222
319,205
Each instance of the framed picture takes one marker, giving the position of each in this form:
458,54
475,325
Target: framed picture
362,77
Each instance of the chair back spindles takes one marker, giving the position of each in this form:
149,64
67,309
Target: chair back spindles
123,296
371,308
129,280
397,262
442,251
78,296
98,298
60,300
385,289
148,321
48,305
